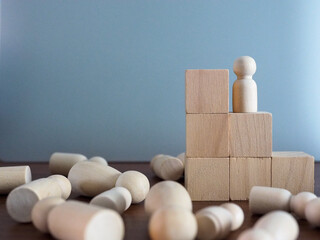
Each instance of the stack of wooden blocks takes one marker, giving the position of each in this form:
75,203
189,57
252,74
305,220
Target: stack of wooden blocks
229,153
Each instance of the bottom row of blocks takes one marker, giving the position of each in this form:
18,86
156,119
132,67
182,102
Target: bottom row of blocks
219,179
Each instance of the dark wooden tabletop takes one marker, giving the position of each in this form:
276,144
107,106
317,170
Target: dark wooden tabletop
136,221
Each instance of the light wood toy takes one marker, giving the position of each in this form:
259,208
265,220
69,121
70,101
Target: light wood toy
237,215
312,212
217,222
167,167
137,184
40,212
117,198
12,177
207,135
246,173
266,199
167,193
173,223
293,171
255,234
299,202
99,160
207,179
61,163
22,199
91,178
75,220
280,225
207,91
277,225
244,90
182,157
250,134
228,153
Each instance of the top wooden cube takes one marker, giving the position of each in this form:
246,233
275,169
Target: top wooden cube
207,91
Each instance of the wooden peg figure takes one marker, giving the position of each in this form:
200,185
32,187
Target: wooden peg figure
244,90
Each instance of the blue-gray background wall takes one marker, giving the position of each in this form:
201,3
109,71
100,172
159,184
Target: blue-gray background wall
107,77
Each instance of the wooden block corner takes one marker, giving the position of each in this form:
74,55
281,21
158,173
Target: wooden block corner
246,173
207,179
250,134
293,171
207,135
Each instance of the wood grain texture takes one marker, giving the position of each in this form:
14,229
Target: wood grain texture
207,135
207,179
92,178
250,134
244,89
12,177
75,220
293,171
207,91
135,218
246,173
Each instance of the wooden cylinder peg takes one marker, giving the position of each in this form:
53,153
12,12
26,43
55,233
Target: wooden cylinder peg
172,223
167,167
280,225
167,193
22,199
63,183
155,159
299,202
117,198
182,157
75,220
266,199
244,90
137,184
40,212
237,215
98,160
61,163
213,223
91,178
276,225
312,212
12,177
255,234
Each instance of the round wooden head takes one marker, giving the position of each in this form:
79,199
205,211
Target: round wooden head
244,67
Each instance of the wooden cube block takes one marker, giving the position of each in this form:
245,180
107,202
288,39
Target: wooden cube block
293,171
207,179
207,91
207,135
246,173
250,134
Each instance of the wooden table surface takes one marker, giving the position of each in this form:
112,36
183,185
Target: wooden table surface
136,221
